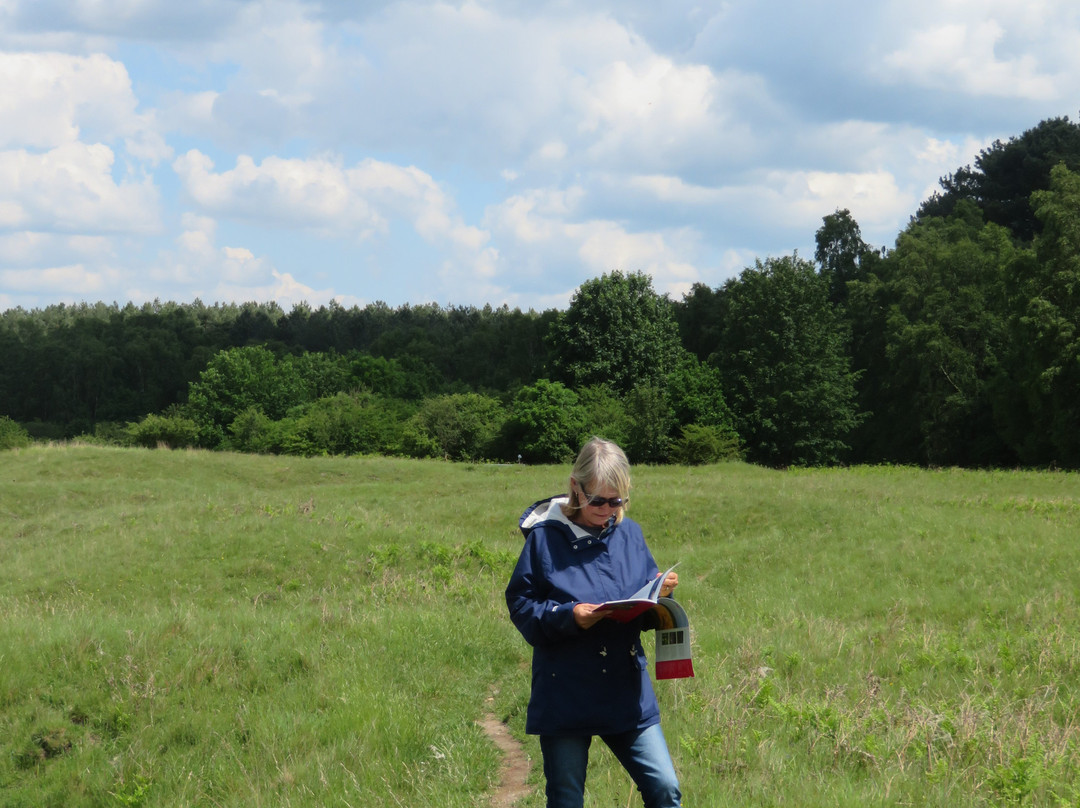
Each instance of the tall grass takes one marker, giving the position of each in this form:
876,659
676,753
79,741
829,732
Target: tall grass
876,636
187,628
201,629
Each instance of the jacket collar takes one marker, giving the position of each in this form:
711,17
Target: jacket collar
548,511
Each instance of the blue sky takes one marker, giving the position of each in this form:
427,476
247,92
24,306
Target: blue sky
485,152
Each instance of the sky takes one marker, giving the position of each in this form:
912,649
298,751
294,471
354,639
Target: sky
496,152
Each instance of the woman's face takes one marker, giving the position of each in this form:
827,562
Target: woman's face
595,515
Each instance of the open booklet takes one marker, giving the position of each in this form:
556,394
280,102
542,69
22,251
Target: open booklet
641,601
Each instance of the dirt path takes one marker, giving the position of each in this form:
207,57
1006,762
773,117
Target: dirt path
515,766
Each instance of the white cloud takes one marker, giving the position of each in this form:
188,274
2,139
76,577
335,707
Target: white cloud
323,195
524,86
792,204
961,56
311,193
606,246
282,46
554,150
98,21
556,232
55,99
983,48
35,249
189,113
669,189
540,234
71,189
62,193
804,195
936,158
648,107
62,282
536,216
282,288
416,196
787,200
226,273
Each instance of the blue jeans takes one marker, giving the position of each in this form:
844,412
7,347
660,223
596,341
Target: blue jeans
643,753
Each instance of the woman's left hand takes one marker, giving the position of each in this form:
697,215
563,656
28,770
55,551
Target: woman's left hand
669,584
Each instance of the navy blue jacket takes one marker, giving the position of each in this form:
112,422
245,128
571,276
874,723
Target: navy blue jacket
584,682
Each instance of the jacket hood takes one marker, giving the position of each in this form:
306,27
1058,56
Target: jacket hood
549,512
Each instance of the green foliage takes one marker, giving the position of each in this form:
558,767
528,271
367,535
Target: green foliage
1037,403
699,445
1018,780
617,331
461,426
75,366
236,380
695,391
108,433
457,343
651,422
171,431
131,793
546,424
936,316
320,374
407,378
12,436
605,413
1006,175
347,423
699,323
336,404
253,431
840,252
783,357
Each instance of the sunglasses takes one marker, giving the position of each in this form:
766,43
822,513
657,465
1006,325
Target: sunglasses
599,502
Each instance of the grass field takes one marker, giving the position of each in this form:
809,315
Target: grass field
202,629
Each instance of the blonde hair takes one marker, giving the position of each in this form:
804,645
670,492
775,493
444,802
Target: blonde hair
600,464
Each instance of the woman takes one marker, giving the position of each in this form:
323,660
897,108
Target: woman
589,674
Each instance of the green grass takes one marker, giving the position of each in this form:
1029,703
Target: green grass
188,628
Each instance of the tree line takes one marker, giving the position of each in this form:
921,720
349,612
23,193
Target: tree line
957,346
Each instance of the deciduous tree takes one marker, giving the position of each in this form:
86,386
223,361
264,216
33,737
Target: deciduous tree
546,424
840,252
936,317
239,378
783,358
1039,405
616,331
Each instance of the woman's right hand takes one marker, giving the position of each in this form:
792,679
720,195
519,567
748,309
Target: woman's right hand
587,615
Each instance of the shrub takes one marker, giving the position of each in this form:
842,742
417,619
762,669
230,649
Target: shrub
546,423
12,436
236,379
252,431
605,413
460,426
695,391
107,433
45,430
347,423
173,431
651,423
699,445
